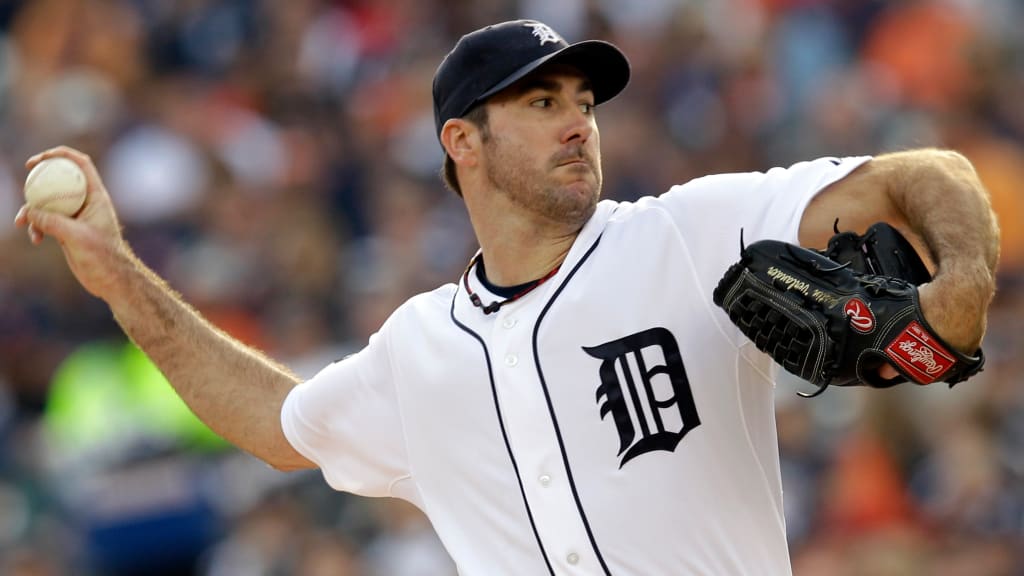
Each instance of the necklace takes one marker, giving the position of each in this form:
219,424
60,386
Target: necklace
496,305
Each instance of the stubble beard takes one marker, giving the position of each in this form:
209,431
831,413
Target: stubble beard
530,188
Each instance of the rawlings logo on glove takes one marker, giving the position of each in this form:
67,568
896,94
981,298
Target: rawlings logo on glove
919,352
861,318
833,318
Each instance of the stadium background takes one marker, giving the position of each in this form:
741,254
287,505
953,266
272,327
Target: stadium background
276,162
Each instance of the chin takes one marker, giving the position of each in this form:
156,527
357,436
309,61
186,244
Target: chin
585,213
574,205
587,187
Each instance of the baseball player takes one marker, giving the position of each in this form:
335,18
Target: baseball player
574,403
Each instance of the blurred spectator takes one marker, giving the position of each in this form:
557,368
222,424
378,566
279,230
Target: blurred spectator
406,546
924,46
277,163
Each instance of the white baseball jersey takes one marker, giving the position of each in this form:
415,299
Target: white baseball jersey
611,421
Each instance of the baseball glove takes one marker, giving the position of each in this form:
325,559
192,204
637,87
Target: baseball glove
882,250
830,324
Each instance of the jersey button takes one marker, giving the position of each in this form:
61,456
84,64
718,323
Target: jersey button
544,480
573,558
508,323
511,360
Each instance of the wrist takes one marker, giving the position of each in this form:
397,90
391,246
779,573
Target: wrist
125,275
955,304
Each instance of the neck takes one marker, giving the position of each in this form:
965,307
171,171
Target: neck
518,250
509,264
519,244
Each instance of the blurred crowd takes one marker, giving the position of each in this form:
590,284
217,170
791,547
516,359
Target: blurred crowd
276,162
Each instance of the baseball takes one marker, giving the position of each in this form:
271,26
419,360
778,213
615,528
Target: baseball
57,185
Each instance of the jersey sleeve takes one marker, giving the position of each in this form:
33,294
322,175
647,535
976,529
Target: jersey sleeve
711,211
347,420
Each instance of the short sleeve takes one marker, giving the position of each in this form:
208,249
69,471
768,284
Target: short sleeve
711,211
347,420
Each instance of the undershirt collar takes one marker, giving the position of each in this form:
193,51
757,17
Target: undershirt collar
500,291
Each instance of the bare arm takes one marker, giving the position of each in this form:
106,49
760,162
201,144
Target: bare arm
235,390
937,200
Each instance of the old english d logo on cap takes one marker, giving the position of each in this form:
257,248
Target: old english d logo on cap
544,32
490,59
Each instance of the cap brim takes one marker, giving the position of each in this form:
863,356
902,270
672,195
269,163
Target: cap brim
601,62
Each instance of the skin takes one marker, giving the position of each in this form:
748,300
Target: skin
533,180
235,390
937,200
530,182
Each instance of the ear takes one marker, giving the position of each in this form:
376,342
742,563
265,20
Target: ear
460,139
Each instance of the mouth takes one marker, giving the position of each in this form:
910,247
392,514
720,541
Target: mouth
575,162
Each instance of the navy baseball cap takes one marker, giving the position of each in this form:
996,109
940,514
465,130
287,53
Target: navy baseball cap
490,59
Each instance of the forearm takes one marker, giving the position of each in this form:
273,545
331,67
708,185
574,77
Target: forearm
234,389
943,201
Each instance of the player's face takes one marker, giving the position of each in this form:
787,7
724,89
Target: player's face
543,149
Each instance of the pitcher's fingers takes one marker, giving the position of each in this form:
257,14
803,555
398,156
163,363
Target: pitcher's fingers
48,153
20,219
35,236
77,156
37,158
49,223
887,372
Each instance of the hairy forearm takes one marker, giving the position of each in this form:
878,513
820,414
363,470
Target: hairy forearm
234,389
944,202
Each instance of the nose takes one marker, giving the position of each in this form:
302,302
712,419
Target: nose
579,127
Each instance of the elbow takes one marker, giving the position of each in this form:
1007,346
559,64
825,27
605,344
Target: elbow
288,460
956,162
279,454
945,160
290,466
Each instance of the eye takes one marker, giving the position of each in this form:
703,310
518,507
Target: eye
541,103
587,108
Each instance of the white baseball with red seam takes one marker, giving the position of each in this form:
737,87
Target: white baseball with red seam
56,185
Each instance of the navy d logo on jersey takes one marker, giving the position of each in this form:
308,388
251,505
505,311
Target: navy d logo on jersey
650,414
